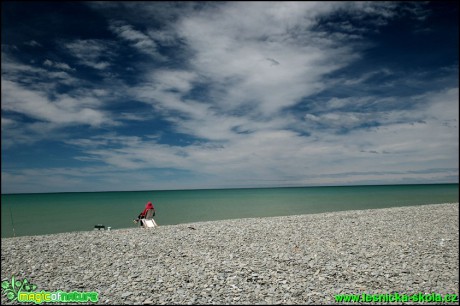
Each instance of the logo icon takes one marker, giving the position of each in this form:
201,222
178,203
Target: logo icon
23,291
13,288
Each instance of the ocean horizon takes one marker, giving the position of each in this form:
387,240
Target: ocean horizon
50,213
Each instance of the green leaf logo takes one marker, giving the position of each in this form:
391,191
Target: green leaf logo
12,289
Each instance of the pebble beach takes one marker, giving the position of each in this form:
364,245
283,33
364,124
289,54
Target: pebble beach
301,259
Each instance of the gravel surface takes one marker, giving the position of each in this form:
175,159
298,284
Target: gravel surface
303,259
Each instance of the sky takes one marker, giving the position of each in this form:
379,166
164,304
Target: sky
119,96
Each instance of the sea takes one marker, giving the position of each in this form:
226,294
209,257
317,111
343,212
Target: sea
50,213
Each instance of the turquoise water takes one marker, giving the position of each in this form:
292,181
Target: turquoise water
38,214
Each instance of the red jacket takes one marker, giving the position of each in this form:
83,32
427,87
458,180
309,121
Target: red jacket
147,207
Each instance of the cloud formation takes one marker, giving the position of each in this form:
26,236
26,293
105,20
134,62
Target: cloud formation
91,52
234,94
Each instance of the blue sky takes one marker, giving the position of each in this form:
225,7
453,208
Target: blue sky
102,96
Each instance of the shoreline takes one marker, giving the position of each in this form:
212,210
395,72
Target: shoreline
297,259
117,209
223,220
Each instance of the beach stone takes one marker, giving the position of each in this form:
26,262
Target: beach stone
305,259
126,294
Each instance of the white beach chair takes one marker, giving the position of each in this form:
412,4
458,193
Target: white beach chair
148,220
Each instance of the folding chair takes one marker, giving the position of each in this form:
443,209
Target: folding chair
148,221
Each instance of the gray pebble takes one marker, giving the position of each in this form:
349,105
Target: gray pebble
305,259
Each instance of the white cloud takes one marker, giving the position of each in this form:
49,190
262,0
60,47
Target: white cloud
65,110
235,56
393,152
8,123
246,67
34,77
33,92
91,52
33,43
138,40
62,66
366,76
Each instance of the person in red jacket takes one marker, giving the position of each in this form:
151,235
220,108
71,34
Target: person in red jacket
148,206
